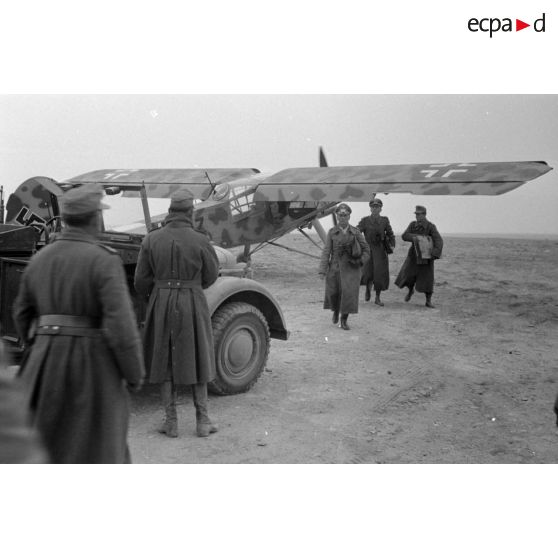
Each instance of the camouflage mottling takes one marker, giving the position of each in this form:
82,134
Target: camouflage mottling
35,194
219,214
162,183
257,207
358,183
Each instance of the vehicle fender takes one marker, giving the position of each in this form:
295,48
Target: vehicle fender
238,289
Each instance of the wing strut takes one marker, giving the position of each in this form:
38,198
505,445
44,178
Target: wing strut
292,249
319,229
145,206
301,231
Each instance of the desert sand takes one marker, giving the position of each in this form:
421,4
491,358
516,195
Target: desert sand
471,381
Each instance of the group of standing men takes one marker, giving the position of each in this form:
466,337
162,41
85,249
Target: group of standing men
83,349
354,256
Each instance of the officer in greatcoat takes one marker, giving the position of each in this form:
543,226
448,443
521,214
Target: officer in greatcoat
74,313
175,264
19,442
378,233
344,254
417,273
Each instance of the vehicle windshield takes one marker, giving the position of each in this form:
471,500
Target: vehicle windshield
126,213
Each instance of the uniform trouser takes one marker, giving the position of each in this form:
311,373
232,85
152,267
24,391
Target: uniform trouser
199,396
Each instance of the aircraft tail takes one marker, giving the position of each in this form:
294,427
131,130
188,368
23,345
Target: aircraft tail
316,223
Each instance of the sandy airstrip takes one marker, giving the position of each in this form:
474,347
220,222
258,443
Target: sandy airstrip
472,381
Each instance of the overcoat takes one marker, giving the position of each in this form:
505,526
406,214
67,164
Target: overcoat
75,385
178,336
419,276
375,230
19,443
342,277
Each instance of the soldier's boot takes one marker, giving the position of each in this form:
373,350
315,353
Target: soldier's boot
429,301
367,293
343,323
409,294
335,317
204,426
169,425
378,301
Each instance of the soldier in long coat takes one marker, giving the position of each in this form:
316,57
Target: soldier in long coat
19,442
377,231
417,273
175,264
74,313
344,254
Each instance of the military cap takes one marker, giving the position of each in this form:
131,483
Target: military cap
343,206
181,201
376,201
420,209
82,200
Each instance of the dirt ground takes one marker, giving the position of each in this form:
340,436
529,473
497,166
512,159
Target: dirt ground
471,381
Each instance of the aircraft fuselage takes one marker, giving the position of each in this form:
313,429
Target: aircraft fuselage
236,219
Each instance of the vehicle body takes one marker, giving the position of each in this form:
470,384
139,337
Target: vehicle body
245,315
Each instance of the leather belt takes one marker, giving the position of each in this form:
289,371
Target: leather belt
65,324
176,284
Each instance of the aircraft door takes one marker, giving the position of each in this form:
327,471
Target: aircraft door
297,210
277,211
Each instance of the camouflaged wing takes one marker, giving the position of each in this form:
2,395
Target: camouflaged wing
162,183
358,183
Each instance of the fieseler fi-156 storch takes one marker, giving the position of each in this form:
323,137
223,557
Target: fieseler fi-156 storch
243,207
237,207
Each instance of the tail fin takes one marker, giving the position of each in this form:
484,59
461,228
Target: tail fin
323,163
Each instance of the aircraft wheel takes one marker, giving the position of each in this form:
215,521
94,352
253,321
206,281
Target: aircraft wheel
241,341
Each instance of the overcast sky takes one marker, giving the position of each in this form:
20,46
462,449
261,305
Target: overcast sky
61,136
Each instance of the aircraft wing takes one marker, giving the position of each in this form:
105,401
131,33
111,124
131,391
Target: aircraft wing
162,183
357,184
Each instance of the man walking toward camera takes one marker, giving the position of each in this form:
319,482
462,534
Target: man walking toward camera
74,313
378,233
175,264
345,252
417,271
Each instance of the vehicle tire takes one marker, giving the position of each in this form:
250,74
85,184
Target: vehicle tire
241,342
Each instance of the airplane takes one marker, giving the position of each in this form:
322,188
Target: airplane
237,208
242,207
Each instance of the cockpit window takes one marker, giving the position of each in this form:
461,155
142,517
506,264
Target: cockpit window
241,200
221,190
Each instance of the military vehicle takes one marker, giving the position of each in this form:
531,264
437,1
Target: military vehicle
245,315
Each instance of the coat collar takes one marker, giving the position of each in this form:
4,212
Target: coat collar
75,233
178,219
338,230
424,223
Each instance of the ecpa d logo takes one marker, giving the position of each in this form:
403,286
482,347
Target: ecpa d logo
493,25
